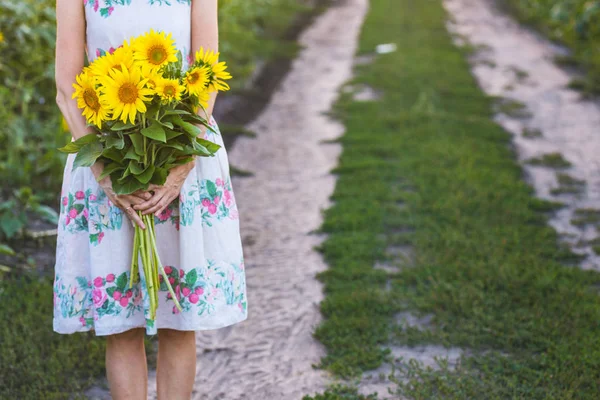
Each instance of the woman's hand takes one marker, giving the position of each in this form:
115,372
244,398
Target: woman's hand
124,201
164,195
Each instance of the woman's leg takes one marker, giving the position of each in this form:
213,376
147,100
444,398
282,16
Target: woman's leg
126,367
176,369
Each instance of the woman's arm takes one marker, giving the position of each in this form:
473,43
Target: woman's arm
70,51
205,33
69,58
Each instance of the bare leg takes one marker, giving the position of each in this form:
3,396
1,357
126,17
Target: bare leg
176,369
126,367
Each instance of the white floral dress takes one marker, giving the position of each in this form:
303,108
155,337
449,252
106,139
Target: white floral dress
198,235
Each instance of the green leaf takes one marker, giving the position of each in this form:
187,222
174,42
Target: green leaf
166,124
138,143
6,250
10,224
115,140
114,155
128,186
47,213
145,176
132,155
211,188
189,128
212,147
160,176
109,169
75,146
155,131
171,134
110,291
122,281
79,207
120,126
176,112
135,167
88,155
191,277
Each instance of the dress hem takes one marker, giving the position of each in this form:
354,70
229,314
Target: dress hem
149,331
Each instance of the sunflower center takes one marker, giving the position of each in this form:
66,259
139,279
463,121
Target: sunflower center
157,55
193,77
91,99
170,91
128,93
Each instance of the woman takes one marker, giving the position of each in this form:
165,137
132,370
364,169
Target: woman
196,216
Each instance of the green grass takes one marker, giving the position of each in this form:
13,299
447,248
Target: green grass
34,362
551,160
425,165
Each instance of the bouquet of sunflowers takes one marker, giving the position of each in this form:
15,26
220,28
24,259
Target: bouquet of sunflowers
143,109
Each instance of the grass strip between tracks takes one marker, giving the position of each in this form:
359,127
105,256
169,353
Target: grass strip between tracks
426,167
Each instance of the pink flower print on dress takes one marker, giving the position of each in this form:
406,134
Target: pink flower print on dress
175,310
98,53
185,291
168,270
93,197
234,214
73,213
219,182
99,296
67,220
110,10
227,197
181,273
96,5
98,281
212,208
79,195
124,301
82,321
65,201
110,278
205,202
100,236
216,199
194,298
86,213
165,214
116,295
199,291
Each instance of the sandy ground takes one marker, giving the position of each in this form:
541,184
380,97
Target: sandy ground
515,63
269,356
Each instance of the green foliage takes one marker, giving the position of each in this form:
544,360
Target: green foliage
36,363
575,23
338,392
487,266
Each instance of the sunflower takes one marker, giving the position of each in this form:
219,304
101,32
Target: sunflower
218,74
207,57
155,49
88,99
218,78
101,66
169,89
125,92
196,80
151,74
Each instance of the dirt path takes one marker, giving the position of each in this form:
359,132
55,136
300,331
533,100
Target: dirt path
517,64
269,356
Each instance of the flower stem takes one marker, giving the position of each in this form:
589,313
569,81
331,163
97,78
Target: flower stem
164,274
